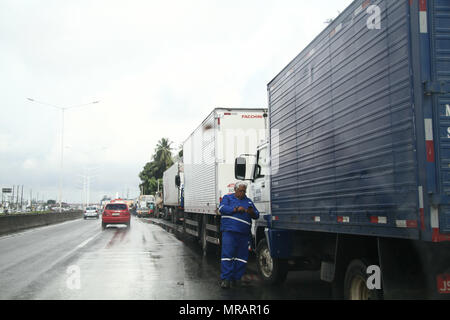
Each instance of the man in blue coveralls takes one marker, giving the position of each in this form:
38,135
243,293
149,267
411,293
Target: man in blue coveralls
237,213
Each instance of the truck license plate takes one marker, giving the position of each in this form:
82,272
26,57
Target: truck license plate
443,283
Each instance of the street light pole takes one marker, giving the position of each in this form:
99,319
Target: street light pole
63,109
86,177
62,159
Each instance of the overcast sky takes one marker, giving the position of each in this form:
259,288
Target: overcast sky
157,67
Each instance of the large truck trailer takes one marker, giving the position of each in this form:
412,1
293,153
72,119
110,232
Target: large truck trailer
208,160
359,154
173,204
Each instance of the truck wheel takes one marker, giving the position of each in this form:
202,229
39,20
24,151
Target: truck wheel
272,271
355,287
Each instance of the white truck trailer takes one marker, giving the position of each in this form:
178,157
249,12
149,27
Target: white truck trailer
209,155
173,192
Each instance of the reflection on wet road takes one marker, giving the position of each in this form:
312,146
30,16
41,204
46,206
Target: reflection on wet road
77,260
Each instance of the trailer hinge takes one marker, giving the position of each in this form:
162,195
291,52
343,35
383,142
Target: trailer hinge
441,87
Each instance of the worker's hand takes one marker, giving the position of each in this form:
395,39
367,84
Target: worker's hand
251,212
241,209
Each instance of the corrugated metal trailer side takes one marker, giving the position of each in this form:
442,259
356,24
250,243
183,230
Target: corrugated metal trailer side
363,117
200,168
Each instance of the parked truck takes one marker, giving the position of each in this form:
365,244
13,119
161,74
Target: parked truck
173,182
145,206
208,161
357,165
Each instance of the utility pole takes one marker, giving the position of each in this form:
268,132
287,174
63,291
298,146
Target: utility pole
88,189
21,200
11,200
17,198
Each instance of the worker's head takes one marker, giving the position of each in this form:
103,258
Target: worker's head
240,188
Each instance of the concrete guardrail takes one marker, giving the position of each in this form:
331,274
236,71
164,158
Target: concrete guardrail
18,222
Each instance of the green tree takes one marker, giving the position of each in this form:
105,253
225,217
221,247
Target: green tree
153,171
180,152
163,154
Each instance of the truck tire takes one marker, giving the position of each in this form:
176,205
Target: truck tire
355,287
272,271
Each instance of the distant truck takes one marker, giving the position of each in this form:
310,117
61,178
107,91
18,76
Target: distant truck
355,176
103,203
173,180
159,204
145,206
208,162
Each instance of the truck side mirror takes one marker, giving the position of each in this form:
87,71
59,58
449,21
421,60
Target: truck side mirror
177,180
240,168
258,172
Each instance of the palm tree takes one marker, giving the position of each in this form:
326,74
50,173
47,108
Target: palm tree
153,171
163,154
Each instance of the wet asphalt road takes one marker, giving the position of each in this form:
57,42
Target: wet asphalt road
150,261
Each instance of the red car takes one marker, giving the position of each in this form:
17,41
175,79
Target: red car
116,213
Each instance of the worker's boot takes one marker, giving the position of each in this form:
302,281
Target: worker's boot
225,284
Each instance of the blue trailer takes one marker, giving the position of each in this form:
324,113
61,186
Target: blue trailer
360,155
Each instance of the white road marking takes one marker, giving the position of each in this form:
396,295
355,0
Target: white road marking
86,242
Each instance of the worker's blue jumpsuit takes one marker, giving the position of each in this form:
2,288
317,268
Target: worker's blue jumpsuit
236,231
